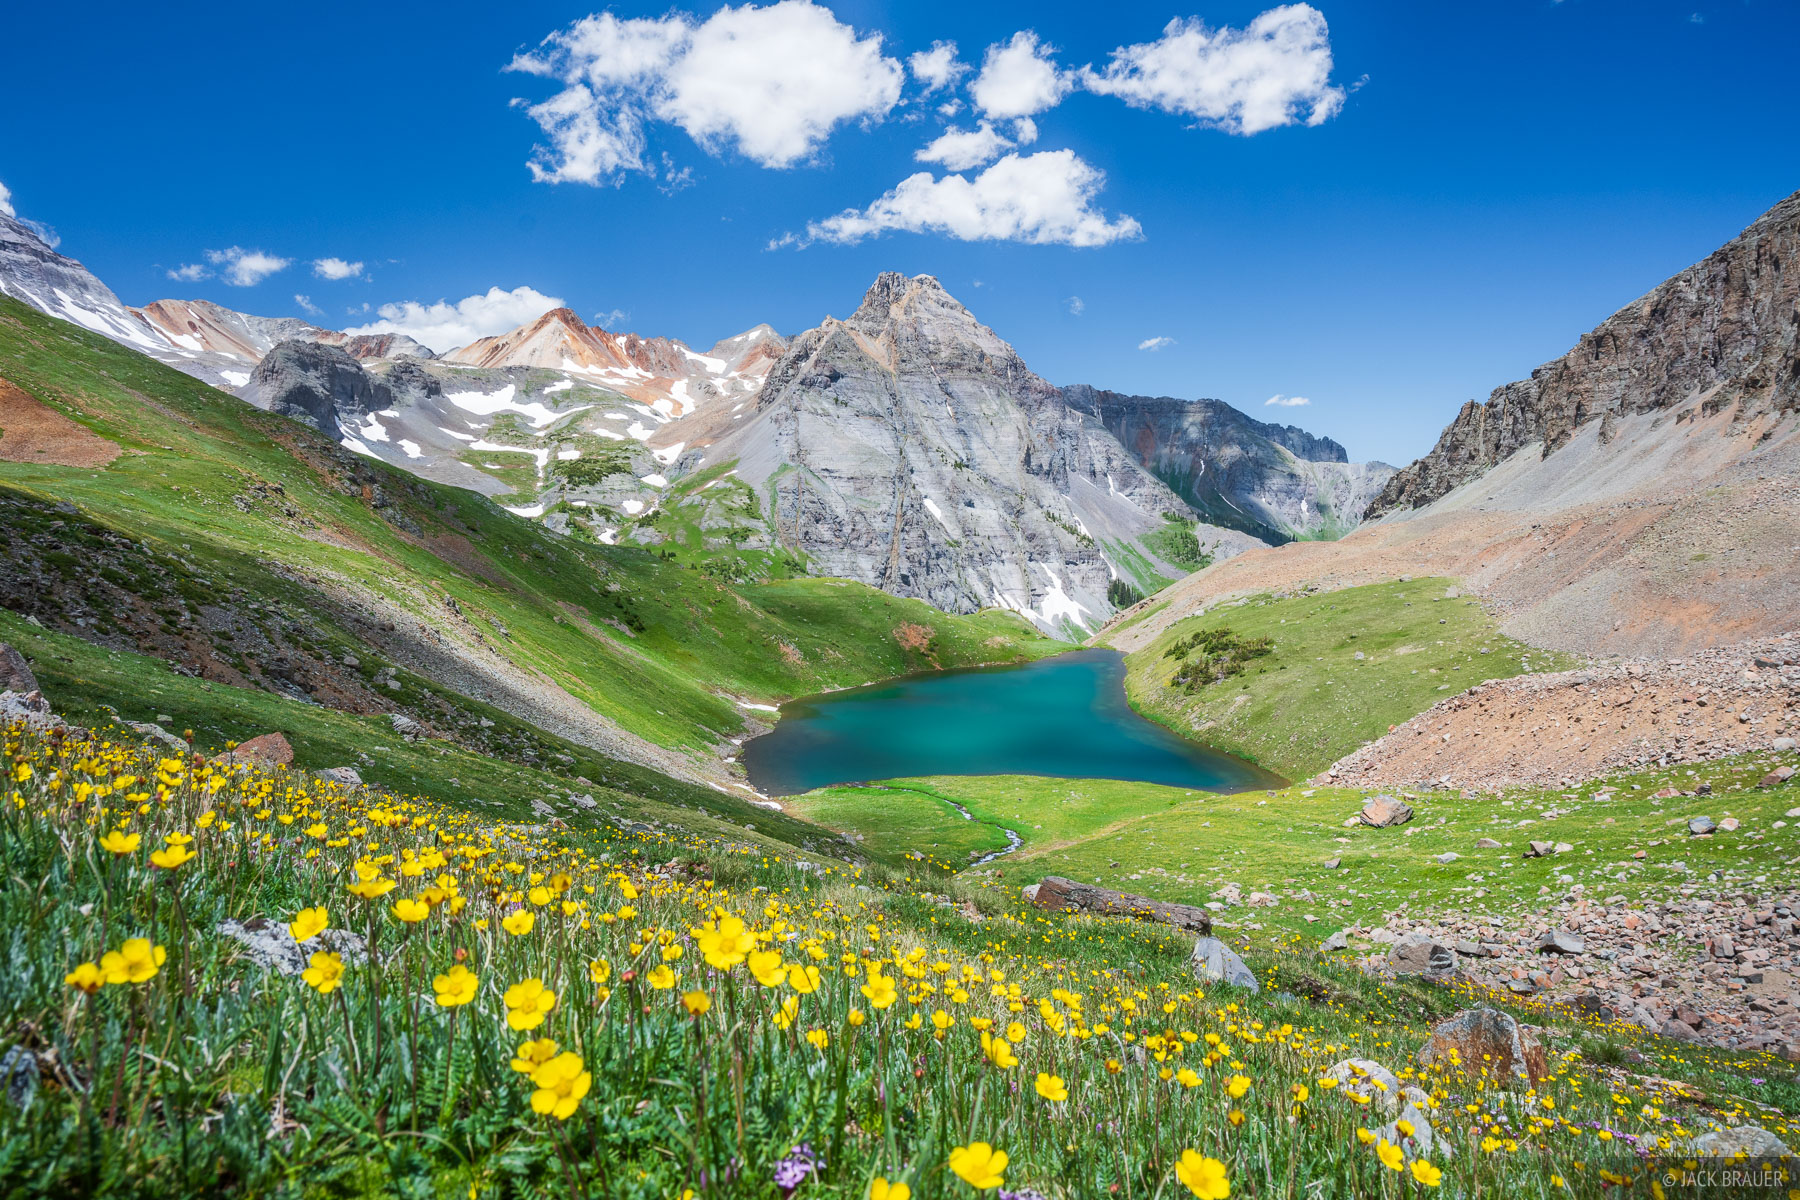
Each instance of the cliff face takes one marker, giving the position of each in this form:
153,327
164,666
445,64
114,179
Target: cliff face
1273,482
909,447
1723,335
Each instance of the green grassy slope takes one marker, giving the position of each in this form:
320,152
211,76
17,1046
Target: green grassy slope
1182,845
1312,700
253,524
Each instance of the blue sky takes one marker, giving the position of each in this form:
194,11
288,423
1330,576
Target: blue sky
1384,208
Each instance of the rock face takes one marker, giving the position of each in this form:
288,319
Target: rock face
909,447
1215,962
1053,891
1722,335
1486,1039
1273,482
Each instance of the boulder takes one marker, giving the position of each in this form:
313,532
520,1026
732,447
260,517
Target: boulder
1487,1040
1700,825
1335,942
344,776
1418,954
1422,1142
267,751
1384,811
1778,776
1368,1079
1448,857
1539,849
1215,962
15,672
1053,891
1751,1141
271,947
1487,844
406,727
1561,941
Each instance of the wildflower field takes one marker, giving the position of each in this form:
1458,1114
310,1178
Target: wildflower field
490,1009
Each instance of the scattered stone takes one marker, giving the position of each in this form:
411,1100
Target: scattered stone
1335,942
1332,864
1539,849
1471,949
19,1070
1728,825
1561,941
1750,1141
1385,811
405,726
1779,775
1369,1080
268,751
1449,856
1054,891
1419,954
1262,900
1487,844
1701,825
15,672
1782,745
1215,962
346,776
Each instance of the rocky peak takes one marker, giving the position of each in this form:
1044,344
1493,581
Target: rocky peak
1723,335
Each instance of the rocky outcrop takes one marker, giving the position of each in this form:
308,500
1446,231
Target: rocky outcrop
1273,482
1486,1042
909,447
1722,336
320,386
1056,892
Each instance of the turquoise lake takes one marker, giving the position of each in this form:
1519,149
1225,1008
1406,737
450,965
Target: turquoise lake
1064,716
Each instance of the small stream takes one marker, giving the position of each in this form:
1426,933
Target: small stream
1013,840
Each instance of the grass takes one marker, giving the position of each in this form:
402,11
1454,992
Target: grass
1314,700
855,1032
1182,845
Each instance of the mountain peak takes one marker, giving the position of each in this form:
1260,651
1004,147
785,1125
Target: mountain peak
892,290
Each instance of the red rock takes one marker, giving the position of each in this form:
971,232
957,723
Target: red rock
269,750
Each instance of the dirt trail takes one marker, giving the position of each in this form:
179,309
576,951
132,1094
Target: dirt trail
33,432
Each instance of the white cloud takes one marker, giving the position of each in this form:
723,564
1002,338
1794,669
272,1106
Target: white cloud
6,206
770,83
1077,305
336,268
444,326
1280,401
190,272
1155,343
1276,71
1018,78
307,306
611,318
938,67
245,268
960,149
1045,198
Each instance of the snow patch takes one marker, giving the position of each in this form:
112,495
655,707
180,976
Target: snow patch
236,379
655,480
411,447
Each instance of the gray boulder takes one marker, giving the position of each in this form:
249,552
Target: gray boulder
1215,962
269,945
1384,811
1751,1141
1335,942
1561,941
1418,954
1480,1040
19,1072
1700,825
344,776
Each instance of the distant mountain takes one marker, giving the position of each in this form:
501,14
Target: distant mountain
1277,483
909,447
1722,336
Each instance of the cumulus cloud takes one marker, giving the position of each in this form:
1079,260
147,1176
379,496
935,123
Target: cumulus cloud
243,268
1045,198
443,326
1077,305
960,149
307,306
612,318
1019,78
1155,343
1280,401
770,83
938,67
190,272
1275,71
6,205
336,268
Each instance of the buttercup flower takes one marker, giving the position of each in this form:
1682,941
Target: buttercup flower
1426,1174
87,977
135,961
519,923
120,842
1051,1087
1204,1177
411,911
532,1055
697,1003
325,972
561,1083
979,1165
309,923
455,987
528,1003
881,1189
